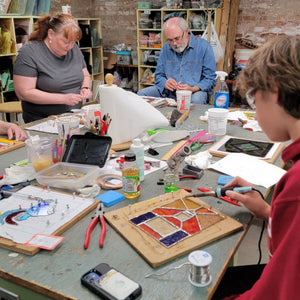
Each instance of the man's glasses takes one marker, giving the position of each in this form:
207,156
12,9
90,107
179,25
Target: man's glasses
176,39
251,98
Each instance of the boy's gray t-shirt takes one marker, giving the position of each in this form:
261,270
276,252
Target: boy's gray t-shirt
54,75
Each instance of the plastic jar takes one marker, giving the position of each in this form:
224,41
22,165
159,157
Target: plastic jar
217,120
39,153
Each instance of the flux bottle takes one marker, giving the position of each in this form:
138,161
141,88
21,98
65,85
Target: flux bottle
131,177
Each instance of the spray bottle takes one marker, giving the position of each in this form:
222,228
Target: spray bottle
222,95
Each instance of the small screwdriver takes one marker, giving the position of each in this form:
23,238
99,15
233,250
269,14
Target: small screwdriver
221,192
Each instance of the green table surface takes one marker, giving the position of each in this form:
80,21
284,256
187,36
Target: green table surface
57,273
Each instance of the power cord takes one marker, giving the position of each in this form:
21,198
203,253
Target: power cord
261,232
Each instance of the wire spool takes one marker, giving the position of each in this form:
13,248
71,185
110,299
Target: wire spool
199,272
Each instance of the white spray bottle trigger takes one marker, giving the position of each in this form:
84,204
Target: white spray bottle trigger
221,74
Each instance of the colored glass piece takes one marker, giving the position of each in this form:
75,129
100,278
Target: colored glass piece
166,211
191,204
204,210
191,226
174,221
174,238
183,216
176,204
162,226
142,218
208,220
150,231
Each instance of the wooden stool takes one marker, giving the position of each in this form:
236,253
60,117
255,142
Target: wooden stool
13,108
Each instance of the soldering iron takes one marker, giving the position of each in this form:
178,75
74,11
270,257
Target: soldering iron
221,191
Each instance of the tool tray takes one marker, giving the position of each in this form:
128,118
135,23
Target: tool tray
88,149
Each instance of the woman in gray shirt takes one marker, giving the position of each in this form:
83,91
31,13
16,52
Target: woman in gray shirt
50,73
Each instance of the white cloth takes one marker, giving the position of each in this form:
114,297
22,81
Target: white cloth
17,174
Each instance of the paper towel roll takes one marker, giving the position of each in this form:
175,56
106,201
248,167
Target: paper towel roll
130,114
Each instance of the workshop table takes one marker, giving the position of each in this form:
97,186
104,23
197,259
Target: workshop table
57,273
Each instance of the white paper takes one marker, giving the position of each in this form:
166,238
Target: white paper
67,207
48,126
112,167
252,169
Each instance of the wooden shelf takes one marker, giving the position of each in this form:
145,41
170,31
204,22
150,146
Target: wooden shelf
126,66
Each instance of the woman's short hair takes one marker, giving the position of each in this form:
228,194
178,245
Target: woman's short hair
58,23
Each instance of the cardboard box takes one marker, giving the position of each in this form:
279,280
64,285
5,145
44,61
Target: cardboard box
109,59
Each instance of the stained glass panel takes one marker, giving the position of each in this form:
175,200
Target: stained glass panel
176,221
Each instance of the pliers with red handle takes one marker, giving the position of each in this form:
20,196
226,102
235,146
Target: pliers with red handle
98,217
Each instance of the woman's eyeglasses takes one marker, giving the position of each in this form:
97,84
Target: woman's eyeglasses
251,98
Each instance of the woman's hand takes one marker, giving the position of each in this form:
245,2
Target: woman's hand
72,99
252,200
14,130
86,93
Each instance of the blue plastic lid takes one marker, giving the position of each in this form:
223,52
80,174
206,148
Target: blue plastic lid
124,53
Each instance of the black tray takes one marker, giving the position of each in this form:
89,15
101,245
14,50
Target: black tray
88,149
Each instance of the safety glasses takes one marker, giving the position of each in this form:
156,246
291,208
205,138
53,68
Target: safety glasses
251,98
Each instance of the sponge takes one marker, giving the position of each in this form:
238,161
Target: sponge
110,198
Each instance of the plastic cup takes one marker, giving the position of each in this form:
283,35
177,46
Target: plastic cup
67,126
183,100
66,9
89,114
217,120
39,153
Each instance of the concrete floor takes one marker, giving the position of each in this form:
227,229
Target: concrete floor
248,253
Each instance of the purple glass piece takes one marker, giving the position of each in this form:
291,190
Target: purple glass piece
142,218
173,238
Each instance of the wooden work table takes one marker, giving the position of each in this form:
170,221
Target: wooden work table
57,273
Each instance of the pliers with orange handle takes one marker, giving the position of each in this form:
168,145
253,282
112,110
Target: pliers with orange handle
98,217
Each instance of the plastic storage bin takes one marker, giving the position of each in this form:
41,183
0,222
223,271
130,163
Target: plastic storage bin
124,58
68,176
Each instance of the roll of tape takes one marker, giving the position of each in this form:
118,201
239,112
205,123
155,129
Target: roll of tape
105,181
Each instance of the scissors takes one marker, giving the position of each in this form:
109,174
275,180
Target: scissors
98,216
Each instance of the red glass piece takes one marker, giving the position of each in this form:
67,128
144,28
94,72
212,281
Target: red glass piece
150,231
191,226
166,211
174,221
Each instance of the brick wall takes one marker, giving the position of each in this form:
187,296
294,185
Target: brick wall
258,20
